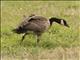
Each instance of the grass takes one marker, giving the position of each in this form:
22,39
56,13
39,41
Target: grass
61,43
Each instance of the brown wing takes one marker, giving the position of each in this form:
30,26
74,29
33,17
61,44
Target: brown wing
36,23
32,27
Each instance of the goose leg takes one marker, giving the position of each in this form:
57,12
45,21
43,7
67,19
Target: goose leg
38,38
23,38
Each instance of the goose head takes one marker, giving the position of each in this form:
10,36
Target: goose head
59,21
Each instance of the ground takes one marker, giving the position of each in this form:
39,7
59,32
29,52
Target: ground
61,43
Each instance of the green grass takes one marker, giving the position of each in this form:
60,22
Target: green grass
60,36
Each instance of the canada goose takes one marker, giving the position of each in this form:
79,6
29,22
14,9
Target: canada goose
37,24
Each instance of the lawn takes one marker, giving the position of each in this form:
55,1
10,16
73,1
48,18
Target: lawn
61,44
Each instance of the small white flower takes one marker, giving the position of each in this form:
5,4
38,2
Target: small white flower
20,8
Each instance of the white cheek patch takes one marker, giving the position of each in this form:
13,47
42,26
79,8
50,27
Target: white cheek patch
62,22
